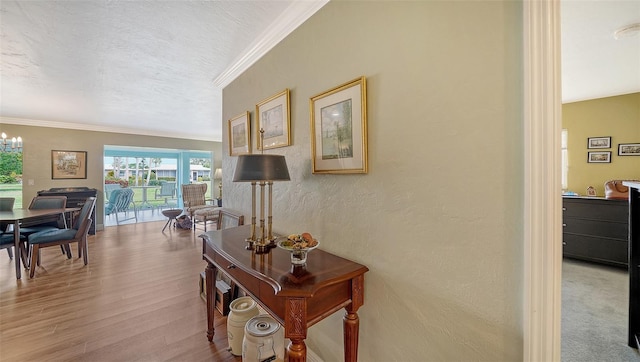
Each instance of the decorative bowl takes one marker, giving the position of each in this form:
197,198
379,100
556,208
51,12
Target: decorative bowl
298,254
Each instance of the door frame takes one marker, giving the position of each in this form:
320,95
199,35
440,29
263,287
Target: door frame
542,199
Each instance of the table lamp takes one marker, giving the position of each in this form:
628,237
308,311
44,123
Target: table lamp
262,169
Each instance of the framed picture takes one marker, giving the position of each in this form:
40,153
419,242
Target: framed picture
629,149
273,118
599,142
599,157
339,129
240,134
68,165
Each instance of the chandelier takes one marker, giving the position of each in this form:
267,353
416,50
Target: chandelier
10,145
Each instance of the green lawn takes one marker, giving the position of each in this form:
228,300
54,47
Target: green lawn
12,190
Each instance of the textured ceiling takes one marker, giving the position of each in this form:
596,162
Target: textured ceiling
158,67
134,66
594,63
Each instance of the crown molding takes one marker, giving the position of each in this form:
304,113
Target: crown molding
99,128
296,14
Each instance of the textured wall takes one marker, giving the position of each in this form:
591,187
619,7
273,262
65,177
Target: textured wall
438,218
615,117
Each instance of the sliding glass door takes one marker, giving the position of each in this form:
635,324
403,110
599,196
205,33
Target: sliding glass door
151,172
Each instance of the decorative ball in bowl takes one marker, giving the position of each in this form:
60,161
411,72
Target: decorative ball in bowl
298,245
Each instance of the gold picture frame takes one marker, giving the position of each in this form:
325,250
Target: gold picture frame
240,134
273,116
68,165
339,129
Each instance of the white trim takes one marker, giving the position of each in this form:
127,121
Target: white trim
100,128
542,180
293,16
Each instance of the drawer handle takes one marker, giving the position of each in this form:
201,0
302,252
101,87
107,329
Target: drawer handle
564,243
564,225
564,209
231,266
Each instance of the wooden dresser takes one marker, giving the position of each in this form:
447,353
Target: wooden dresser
596,229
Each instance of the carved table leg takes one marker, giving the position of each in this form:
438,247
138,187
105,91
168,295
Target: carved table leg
297,351
295,328
210,276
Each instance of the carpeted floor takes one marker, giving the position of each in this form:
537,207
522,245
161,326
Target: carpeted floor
595,302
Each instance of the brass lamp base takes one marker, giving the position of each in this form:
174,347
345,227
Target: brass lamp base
261,248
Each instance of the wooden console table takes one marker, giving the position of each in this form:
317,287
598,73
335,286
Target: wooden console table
296,297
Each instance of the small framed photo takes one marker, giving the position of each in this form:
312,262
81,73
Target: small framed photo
599,157
339,129
240,134
68,165
629,149
273,118
599,142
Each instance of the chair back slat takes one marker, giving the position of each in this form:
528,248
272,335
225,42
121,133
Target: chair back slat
194,194
167,189
229,219
47,202
85,213
6,203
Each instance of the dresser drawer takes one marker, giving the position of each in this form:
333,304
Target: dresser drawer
596,209
596,228
246,281
607,251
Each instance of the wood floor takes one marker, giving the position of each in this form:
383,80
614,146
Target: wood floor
137,300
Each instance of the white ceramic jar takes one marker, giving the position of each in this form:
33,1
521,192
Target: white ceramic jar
242,309
263,340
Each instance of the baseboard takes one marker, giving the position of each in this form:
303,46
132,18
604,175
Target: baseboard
312,357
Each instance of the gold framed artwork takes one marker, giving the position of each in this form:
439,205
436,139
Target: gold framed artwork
339,129
240,134
68,164
273,116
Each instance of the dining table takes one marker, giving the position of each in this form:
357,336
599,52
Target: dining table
18,216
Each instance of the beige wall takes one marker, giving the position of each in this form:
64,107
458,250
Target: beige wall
39,141
438,218
615,117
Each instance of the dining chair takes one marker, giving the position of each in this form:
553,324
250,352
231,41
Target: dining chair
77,234
6,235
45,222
228,219
49,222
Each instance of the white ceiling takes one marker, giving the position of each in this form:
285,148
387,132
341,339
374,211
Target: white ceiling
141,67
158,68
594,63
